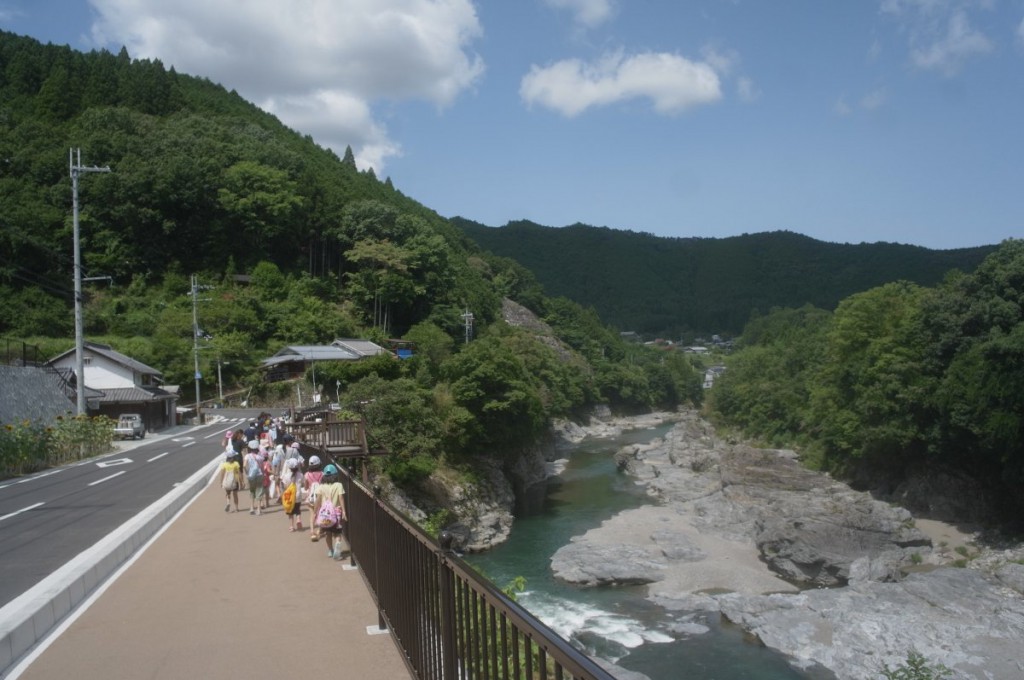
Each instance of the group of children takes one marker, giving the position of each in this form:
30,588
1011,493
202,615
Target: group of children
272,469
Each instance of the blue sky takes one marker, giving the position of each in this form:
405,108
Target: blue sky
846,120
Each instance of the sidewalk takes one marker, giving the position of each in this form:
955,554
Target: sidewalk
225,595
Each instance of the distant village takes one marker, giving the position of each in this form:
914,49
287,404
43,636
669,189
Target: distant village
700,346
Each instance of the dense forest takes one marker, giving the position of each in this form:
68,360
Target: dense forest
900,380
291,245
677,288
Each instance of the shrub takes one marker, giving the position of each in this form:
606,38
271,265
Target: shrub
916,668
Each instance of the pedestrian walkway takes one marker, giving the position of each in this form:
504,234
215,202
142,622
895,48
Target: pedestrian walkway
224,595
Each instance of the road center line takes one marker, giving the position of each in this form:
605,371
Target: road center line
100,481
18,512
157,457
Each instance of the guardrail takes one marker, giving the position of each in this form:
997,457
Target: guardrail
449,622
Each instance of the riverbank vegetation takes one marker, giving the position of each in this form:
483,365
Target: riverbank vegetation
900,380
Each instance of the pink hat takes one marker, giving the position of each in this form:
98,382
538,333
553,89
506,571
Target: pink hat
228,433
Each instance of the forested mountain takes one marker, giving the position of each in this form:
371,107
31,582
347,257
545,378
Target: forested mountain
291,245
672,287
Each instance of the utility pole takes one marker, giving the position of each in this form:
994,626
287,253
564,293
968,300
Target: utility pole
196,332
75,162
467,317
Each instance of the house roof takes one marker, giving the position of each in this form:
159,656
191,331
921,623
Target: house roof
113,355
134,395
339,350
363,348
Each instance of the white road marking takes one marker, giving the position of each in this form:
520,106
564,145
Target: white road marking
105,479
29,479
18,512
157,457
110,463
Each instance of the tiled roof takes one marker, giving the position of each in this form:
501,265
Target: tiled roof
134,395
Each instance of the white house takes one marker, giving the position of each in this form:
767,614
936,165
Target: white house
126,385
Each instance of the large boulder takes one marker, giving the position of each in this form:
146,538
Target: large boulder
960,618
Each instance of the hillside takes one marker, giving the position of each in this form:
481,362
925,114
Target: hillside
680,286
201,182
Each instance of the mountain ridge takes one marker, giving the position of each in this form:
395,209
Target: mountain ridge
681,286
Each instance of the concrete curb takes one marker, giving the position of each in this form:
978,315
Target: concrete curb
27,620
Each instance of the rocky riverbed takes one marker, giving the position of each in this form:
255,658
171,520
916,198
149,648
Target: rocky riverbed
827,575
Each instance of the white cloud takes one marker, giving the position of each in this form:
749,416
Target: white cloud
319,65
587,13
672,83
873,100
941,36
722,61
746,90
948,53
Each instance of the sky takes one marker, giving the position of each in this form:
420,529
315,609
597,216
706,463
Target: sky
849,121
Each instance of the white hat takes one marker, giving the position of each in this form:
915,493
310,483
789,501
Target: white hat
293,463
314,460
254,444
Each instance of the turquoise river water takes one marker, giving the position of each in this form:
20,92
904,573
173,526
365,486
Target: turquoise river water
618,623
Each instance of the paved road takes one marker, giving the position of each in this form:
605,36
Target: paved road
221,595
48,518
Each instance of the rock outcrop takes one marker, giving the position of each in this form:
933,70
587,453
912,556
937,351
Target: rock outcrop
872,587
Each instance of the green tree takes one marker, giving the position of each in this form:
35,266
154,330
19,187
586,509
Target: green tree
869,398
496,387
262,200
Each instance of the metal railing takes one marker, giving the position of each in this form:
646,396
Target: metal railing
19,353
449,622
331,435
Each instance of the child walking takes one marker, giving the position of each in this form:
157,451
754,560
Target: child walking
230,479
312,479
292,476
331,491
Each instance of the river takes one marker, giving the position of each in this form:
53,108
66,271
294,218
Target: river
619,623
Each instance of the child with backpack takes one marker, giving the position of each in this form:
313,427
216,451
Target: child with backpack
291,497
312,478
230,479
253,466
329,511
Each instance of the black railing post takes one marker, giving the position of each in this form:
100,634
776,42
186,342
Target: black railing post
449,655
381,624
